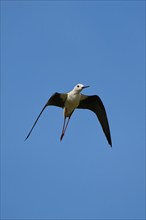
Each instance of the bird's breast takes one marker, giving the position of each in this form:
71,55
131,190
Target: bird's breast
71,103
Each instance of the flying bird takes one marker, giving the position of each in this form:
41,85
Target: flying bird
75,99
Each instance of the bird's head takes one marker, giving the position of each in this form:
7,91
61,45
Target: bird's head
79,87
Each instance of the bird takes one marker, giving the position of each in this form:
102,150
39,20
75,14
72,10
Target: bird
76,100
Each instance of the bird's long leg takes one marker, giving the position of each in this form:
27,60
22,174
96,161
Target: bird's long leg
66,125
62,134
64,128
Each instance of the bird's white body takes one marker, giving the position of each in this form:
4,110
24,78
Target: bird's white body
72,102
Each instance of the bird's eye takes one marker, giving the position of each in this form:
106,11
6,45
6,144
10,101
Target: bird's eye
78,86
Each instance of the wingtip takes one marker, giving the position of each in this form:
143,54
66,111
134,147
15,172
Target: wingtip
109,140
110,143
26,138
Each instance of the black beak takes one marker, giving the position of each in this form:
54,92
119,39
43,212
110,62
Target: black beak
84,87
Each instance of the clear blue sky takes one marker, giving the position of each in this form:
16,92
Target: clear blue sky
49,46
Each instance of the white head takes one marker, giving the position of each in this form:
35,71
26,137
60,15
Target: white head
79,87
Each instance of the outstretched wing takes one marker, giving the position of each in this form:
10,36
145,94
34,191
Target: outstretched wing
57,99
95,104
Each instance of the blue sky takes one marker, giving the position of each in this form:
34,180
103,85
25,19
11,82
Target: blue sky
49,46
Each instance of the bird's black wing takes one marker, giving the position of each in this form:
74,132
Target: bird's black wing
57,99
95,104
